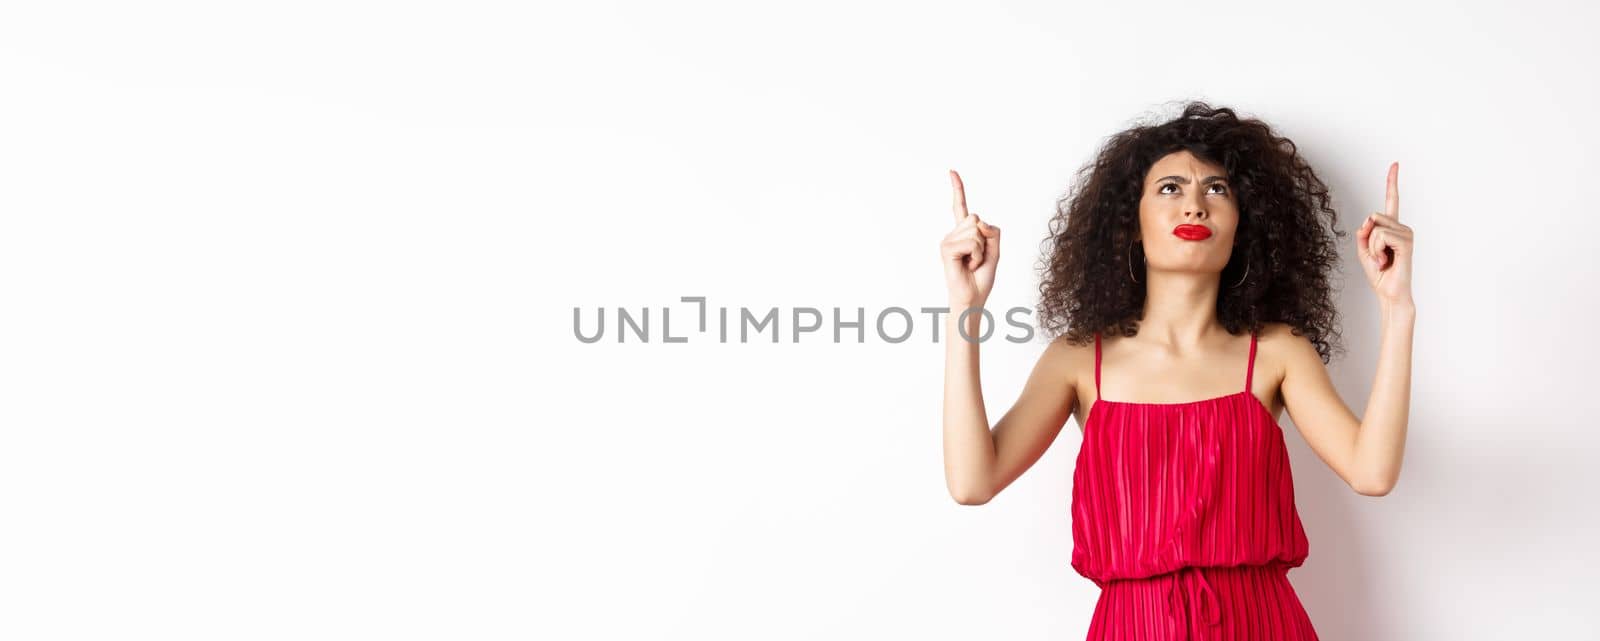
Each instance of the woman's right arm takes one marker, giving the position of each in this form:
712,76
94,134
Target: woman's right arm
979,463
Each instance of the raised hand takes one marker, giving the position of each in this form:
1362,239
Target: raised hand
970,252
1384,246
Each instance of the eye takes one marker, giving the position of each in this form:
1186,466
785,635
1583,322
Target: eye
1162,189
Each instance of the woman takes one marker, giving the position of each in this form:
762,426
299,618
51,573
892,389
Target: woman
1191,262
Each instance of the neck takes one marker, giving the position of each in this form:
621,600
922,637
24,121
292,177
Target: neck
1180,308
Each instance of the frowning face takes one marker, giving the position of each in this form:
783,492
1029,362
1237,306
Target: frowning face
1187,215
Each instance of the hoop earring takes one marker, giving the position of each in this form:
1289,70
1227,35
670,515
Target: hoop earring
1130,262
1242,276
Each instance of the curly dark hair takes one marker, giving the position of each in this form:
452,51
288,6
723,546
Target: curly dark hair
1085,286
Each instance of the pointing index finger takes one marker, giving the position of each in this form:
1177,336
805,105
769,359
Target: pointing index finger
1391,199
959,194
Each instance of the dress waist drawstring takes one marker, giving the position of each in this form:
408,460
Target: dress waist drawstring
1194,587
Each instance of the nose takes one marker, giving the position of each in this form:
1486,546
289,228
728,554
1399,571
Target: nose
1195,205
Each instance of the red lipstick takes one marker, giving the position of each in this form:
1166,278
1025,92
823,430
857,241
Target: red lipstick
1191,232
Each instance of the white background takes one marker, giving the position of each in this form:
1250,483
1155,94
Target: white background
288,298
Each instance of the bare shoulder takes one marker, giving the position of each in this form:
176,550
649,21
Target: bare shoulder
1281,340
1066,365
1279,349
1067,359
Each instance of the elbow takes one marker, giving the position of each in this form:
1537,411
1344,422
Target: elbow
970,496
1373,488
972,499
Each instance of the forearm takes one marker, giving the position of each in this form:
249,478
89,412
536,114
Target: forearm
1380,443
968,443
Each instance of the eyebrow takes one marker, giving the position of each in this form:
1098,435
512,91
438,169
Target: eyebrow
1184,181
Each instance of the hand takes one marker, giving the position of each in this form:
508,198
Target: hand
970,252
1384,246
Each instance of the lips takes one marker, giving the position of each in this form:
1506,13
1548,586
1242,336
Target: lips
1191,232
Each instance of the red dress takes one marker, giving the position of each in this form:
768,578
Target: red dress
1183,514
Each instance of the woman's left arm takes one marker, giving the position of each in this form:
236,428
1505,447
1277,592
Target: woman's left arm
1365,453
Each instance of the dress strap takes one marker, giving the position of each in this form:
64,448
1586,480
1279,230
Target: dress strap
1097,366
1250,369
